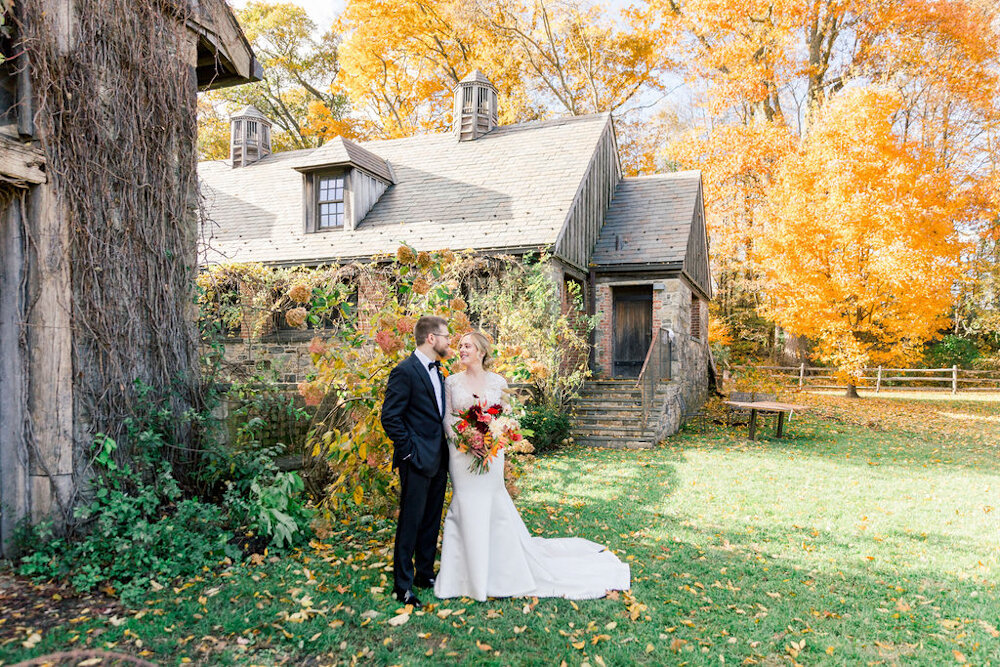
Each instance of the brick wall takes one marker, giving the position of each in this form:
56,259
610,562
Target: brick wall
603,338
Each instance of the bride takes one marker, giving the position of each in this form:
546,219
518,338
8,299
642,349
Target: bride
487,550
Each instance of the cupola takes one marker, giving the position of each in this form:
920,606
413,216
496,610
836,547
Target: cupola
475,106
249,136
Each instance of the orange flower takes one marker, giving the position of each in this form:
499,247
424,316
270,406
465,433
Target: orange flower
421,286
313,393
458,303
300,293
296,317
405,255
405,325
388,342
317,346
462,322
424,260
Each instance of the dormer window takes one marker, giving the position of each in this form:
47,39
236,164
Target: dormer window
327,196
330,194
341,182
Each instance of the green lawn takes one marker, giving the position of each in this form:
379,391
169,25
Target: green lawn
871,535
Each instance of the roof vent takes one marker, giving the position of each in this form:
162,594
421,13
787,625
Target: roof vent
475,106
249,136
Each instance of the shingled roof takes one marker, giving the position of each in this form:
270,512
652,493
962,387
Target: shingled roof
649,221
509,189
343,152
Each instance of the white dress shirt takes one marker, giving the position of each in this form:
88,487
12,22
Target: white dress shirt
435,378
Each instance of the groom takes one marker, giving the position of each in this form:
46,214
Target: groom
413,418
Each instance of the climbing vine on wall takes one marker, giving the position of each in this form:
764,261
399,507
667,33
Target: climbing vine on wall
115,103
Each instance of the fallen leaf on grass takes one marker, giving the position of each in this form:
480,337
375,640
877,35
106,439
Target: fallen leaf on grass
989,628
483,647
32,640
396,621
959,656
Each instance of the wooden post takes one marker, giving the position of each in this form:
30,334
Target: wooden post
878,380
954,379
802,374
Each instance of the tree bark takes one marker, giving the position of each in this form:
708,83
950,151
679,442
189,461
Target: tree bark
852,391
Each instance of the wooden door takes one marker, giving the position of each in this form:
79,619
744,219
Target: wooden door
632,323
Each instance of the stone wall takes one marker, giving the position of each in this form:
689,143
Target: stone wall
290,360
672,308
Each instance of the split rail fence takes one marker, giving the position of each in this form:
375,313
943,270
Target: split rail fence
952,379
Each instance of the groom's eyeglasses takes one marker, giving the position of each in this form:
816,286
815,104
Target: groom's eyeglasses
438,333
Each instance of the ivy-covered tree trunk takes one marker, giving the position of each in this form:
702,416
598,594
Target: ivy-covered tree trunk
115,91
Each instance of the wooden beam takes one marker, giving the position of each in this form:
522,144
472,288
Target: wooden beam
224,54
21,163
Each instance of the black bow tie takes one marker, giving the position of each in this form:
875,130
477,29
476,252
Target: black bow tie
433,364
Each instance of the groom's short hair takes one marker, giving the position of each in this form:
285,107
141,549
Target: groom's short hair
426,325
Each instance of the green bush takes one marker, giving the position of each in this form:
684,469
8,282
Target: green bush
550,426
272,510
952,351
137,529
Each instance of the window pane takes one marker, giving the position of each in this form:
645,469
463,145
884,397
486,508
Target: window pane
331,188
331,215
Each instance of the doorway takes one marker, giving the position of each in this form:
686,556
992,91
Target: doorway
632,326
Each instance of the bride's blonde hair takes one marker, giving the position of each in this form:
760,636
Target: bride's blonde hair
484,346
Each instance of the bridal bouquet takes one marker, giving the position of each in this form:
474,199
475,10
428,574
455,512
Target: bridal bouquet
483,430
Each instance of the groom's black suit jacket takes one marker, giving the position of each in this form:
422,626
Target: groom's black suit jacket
411,419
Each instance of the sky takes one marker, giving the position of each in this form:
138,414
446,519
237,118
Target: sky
321,12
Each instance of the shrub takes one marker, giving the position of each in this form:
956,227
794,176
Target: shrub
138,529
952,351
273,511
550,426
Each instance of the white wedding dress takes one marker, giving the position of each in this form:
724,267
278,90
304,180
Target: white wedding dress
487,550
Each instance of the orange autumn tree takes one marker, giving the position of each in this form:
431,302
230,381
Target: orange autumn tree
861,250
400,61
762,73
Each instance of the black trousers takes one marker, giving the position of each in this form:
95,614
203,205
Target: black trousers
421,499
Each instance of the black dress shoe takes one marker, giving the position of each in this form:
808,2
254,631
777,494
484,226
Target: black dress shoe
407,597
424,582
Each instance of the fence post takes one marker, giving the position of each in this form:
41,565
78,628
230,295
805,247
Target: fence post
878,380
954,379
802,374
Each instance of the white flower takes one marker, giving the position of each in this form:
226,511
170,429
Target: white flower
500,424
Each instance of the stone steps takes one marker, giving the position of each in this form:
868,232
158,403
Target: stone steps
608,413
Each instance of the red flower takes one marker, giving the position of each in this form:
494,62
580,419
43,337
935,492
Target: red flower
494,410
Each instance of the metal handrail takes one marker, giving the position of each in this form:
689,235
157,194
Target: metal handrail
655,368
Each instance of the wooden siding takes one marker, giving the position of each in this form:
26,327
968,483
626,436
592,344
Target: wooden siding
365,191
590,205
696,260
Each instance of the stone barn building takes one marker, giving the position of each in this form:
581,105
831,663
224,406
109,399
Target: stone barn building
637,247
